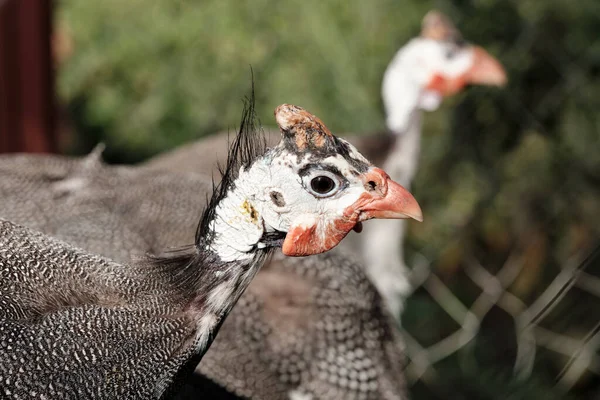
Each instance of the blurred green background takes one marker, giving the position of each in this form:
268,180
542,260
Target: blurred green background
502,170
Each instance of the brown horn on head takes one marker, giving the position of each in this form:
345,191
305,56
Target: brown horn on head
306,129
437,26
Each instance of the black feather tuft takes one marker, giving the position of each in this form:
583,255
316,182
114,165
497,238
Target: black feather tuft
249,144
186,269
194,273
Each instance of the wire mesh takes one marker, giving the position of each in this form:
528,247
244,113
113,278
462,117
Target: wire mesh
495,293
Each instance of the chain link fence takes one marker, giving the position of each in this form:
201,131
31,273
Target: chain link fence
581,352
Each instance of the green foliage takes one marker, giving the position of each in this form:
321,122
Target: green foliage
155,74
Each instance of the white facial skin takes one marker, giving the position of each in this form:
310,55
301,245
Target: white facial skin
303,203
271,195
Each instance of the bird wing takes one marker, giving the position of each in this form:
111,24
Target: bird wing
72,324
91,352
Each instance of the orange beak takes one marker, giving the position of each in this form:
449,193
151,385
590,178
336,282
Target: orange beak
384,198
485,70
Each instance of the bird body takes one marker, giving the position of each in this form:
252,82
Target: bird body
318,326
114,211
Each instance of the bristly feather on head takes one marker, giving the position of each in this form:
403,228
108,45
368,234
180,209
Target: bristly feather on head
199,281
249,144
184,268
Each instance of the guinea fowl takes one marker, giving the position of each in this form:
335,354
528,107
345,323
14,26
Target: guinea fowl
428,68
78,325
306,325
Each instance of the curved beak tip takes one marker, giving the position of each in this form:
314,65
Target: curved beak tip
417,216
395,203
412,209
500,78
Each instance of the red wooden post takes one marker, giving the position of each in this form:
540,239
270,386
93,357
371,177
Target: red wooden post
26,77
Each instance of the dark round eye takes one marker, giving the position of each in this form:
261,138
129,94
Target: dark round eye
322,184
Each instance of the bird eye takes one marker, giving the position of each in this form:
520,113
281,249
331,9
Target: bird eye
322,184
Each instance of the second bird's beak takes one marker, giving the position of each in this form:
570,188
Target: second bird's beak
486,69
383,198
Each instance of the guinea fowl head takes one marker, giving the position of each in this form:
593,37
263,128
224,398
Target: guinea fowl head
305,194
436,64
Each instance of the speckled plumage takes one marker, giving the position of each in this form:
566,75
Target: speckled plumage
314,326
75,325
82,317
342,344
250,355
108,210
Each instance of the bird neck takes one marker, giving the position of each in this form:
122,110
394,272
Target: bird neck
233,250
402,97
401,163
400,91
382,240
230,248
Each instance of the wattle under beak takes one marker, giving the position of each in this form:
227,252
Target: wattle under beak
486,70
385,199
